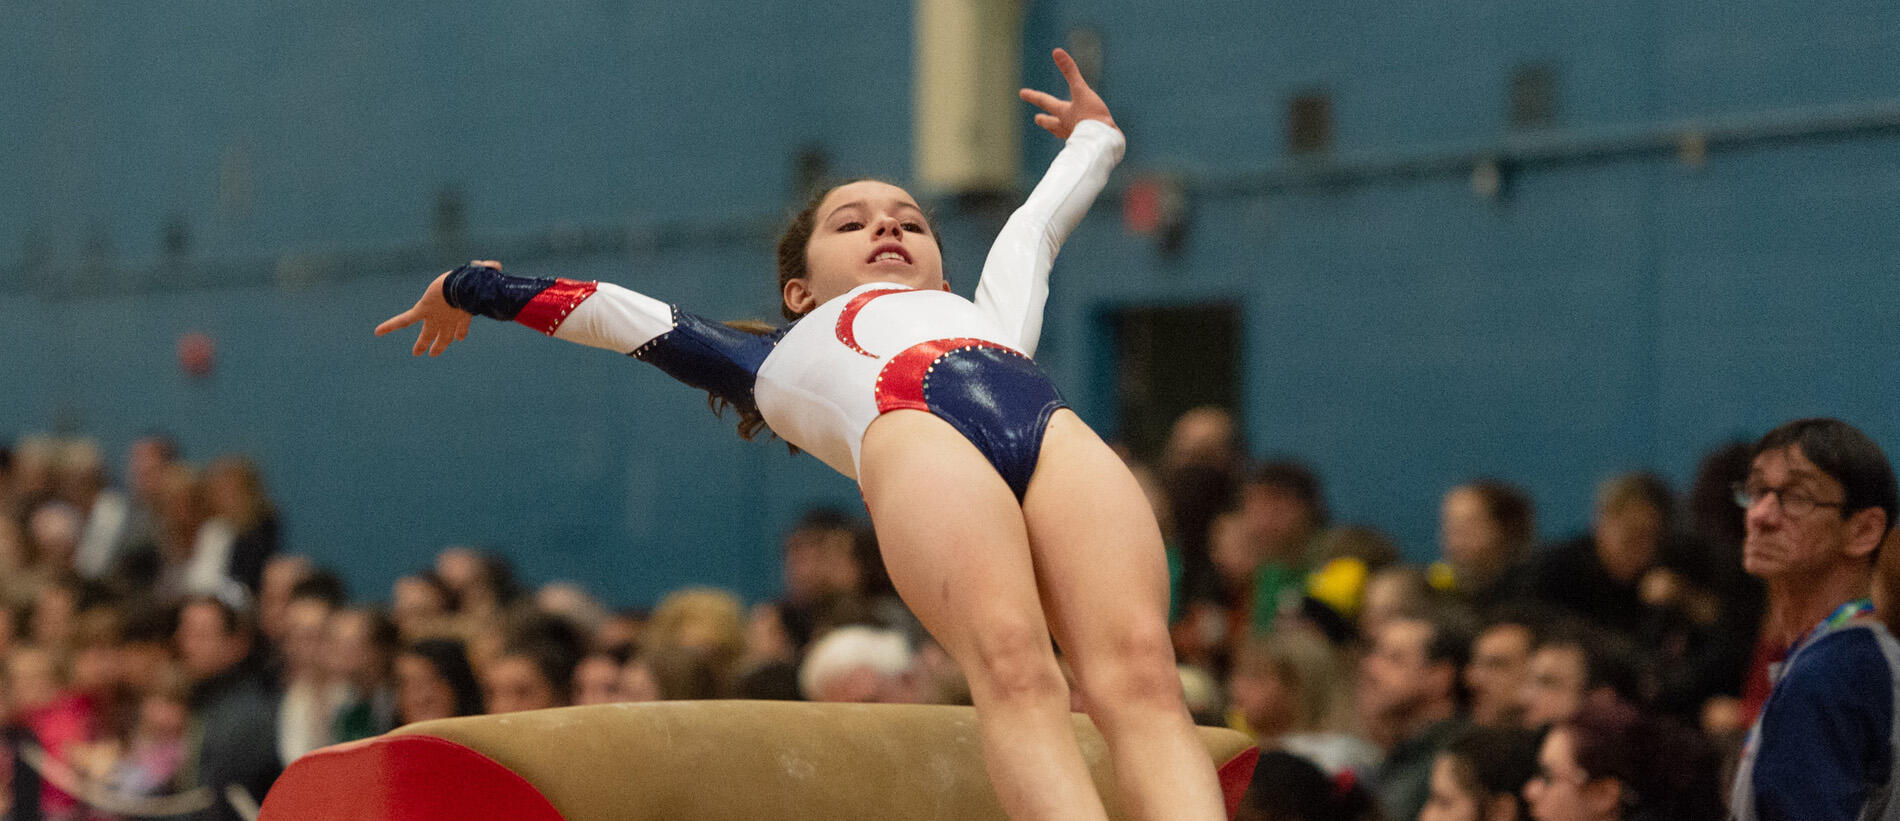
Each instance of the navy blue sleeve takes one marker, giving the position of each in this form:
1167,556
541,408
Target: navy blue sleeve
713,357
479,289
1824,732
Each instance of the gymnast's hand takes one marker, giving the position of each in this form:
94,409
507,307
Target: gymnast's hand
442,324
1062,116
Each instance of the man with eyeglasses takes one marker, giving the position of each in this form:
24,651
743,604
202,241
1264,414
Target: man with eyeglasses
1820,497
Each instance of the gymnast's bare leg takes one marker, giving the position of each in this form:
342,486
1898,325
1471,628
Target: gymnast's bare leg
954,542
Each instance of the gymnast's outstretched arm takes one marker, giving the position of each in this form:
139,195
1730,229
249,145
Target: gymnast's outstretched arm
1015,283
696,351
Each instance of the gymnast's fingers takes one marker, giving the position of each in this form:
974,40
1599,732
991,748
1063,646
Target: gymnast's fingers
423,338
1052,124
1071,73
397,322
1041,99
485,263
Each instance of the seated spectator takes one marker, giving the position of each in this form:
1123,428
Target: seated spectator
1390,592
1485,532
60,719
1481,774
240,537
1286,787
1611,763
1409,697
1500,662
421,605
1198,474
434,680
535,669
277,581
1288,691
860,665
359,649
233,705
153,756
1283,509
307,713
703,619
1598,577
821,573
1574,665
597,676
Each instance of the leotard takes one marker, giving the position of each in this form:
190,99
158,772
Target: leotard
820,382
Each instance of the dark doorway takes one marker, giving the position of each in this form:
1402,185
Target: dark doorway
1169,360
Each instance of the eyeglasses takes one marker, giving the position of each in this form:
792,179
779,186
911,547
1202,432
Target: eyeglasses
1793,502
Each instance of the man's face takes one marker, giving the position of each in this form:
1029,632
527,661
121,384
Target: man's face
1393,678
1277,516
1467,534
820,563
1781,546
1553,689
1499,659
205,647
1628,538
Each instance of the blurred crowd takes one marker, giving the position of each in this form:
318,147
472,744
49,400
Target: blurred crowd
157,645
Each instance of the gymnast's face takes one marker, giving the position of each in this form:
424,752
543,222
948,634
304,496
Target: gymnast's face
863,232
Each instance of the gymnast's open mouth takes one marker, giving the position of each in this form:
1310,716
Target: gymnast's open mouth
889,252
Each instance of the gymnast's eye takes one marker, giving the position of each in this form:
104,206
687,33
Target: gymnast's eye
852,225
914,227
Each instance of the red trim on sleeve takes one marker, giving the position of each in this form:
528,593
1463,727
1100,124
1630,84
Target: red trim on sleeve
550,308
850,315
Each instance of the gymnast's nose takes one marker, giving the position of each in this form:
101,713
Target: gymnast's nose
888,226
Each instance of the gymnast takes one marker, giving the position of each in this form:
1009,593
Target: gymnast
1001,516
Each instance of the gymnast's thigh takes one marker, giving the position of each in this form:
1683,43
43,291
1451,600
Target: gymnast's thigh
950,529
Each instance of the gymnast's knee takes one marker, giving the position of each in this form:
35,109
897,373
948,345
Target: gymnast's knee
1130,679
1013,664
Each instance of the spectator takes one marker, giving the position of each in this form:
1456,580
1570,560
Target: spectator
1408,691
822,573
1288,691
535,669
281,576
1598,576
858,664
1611,763
307,712
434,680
360,645
597,676
1485,532
181,512
60,719
1820,498
242,534
233,706
1480,776
421,604
1575,664
1500,663
1283,509
1286,787
1200,473
483,582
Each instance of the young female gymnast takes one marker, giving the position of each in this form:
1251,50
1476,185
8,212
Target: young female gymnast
1000,514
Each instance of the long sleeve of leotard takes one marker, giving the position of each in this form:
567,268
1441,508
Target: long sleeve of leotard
1015,281
697,351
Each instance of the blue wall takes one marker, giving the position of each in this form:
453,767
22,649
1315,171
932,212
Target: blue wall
1605,313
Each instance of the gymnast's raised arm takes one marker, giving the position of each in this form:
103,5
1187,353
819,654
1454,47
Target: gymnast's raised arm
1015,281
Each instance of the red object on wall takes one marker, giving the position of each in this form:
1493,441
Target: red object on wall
402,777
196,354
